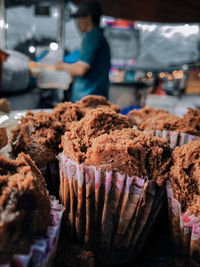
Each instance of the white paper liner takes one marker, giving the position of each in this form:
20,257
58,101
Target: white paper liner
185,228
174,138
43,249
106,210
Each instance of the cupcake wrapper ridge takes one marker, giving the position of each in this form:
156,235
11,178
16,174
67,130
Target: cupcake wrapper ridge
185,228
175,138
43,249
107,211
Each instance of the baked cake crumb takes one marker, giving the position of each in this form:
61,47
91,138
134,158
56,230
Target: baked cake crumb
24,206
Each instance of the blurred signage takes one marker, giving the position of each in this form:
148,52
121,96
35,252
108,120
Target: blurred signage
123,39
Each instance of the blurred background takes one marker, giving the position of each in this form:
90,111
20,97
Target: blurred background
155,52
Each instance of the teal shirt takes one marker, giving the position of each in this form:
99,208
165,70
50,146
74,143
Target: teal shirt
96,53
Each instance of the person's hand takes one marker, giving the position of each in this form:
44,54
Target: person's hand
59,65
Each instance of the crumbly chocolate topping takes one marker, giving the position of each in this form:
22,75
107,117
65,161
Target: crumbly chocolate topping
184,176
163,121
167,121
96,101
192,119
95,123
3,137
131,152
24,205
38,135
138,116
104,139
66,113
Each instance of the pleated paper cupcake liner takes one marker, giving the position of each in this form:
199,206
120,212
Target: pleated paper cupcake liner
43,250
108,211
185,228
175,138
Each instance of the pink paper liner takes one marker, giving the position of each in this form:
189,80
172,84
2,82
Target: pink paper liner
43,249
106,210
185,227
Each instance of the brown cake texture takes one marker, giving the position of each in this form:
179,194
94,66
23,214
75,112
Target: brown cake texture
192,119
184,176
66,113
167,121
3,137
39,136
96,101
138,116
163,121
96,122
131,152
104,139
24,206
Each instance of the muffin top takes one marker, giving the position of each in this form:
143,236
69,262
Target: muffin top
184,176
192,119
162,121
138,116
66,113
96,101
167,121
131,152
38,135
104,139
24,204
96,122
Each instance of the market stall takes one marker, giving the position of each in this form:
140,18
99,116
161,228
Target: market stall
89,184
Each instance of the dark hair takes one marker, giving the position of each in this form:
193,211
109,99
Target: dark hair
92,8
95,19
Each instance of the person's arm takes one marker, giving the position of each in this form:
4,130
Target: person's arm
76,69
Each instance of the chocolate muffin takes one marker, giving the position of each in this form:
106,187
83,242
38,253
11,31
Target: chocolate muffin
184,176
167,121
96,101
131,152
24,206
163,121
66,113
39,135
192,119
95,123
138,116
110,203
184,200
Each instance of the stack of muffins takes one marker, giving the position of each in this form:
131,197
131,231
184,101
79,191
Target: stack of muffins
183,189
112,177
29,218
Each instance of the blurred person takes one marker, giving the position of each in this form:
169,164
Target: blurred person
91,72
